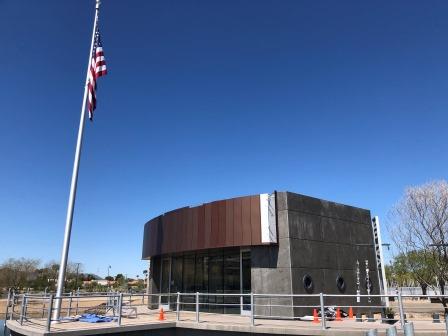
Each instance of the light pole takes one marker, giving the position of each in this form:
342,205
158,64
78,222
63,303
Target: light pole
77,272
108,275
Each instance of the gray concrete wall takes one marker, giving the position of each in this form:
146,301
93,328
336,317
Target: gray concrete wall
323,244
271,270
316,238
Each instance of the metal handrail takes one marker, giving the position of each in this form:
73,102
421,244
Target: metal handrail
23,301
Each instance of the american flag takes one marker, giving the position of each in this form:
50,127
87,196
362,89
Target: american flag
97,69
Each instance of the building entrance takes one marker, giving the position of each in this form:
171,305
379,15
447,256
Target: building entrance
217,271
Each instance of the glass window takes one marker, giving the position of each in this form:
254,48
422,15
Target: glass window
215,281
246,280
232,280
213,271
188,282
188,274
176,279
165,279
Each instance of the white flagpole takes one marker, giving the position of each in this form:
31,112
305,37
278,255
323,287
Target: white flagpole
71,201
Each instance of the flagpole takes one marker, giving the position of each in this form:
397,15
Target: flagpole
71,201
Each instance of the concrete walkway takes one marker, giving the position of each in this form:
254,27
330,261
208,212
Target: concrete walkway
219,322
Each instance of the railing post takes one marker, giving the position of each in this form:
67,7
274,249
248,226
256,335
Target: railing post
372,332
445,316
409,329
77,301
22,309
120,305
11,317
69,310
177,306
252,319
400,308
392,331
7,306
197,307
50,308
322,312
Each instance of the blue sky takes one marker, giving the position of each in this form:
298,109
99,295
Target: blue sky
342,100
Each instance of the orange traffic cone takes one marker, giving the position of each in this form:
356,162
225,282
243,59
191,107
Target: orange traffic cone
338,315
315,317
161,314
350,312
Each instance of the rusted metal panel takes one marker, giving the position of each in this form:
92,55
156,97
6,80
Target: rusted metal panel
245,221
181,231
215,225
188,215
201,228
221,223
208,225
194,227
255,220
160,235
237,226
166,232
229,223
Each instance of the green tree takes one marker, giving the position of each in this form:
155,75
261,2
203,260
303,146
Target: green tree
413,267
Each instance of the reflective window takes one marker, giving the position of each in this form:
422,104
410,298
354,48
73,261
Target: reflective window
216,281
188,274
232,280
213,271
176,274
246,277
165,287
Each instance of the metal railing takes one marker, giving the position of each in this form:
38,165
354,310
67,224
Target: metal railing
37,310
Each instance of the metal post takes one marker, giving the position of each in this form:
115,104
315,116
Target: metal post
12,306
400,307
74,182
409,329
372,332
22,309
322,311
392,331
77,301
252,319
197,307
120,305
50,308
177,306
69,310
7,306
446,323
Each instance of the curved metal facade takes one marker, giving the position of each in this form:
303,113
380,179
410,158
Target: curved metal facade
225,223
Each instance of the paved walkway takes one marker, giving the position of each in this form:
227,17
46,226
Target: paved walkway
147,320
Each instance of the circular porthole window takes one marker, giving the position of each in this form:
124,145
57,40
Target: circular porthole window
308,283
340,283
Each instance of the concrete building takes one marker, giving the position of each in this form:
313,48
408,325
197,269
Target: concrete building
279,243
